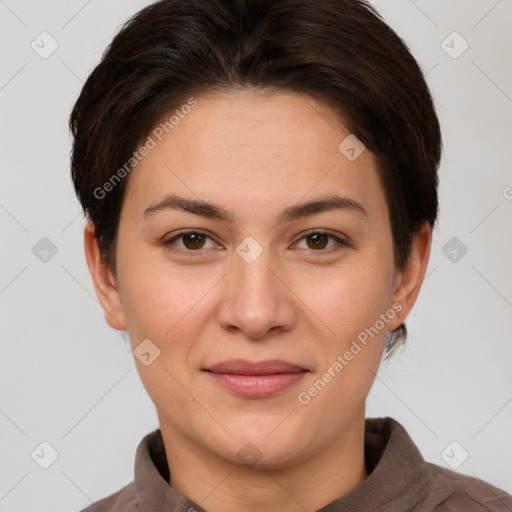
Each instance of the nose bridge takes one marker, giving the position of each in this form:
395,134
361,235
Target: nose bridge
257,300
255,282
253,272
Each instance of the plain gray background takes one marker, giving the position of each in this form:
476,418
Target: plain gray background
67,379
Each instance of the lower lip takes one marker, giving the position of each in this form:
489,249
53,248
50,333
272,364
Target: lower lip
256,386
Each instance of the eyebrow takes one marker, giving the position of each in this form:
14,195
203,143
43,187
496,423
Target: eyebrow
295,212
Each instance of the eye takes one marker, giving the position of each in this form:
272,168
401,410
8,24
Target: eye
192,241
318,241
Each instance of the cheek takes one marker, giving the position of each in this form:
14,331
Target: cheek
354,300
162,304
350,356
355,306
170,308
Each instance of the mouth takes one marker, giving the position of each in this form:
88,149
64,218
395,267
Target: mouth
256,379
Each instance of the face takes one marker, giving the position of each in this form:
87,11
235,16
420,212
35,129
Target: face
264,279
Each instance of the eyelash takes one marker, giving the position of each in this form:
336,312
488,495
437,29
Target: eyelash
189,252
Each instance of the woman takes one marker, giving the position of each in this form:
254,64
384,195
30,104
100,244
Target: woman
260,180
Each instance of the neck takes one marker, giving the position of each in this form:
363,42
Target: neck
221,485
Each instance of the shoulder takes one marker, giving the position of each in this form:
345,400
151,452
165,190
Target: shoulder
124,500
457,492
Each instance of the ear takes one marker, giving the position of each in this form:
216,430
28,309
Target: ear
104,282
408,281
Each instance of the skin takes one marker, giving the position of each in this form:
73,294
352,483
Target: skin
256,154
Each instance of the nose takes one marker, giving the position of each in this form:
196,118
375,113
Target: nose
257,300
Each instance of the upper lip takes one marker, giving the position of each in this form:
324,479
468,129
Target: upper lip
245,367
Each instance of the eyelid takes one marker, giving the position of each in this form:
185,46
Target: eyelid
341,237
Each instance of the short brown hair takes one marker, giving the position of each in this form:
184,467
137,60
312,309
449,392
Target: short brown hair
339,51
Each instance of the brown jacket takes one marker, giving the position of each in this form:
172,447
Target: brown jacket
399,481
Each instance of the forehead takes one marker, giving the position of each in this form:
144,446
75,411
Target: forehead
258,123
256,149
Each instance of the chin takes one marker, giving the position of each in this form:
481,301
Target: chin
267,444
265,454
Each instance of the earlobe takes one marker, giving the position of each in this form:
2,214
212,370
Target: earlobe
103,280
410,279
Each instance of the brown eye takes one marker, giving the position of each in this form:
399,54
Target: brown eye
318,240
193,240
189,242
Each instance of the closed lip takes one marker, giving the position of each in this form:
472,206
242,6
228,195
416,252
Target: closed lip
245,367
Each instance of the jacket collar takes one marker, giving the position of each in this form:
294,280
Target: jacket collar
397,474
